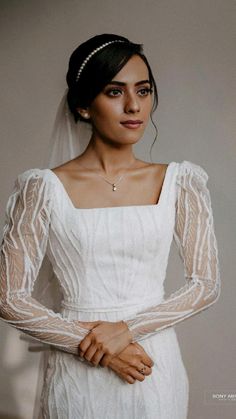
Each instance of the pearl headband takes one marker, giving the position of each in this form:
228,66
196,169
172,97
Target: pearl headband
91,54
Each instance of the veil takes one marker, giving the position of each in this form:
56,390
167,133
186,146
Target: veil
68,140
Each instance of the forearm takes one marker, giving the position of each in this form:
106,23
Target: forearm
29,316
196,296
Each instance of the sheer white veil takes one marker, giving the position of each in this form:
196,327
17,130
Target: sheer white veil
68,140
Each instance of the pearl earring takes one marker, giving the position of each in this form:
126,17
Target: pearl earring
84,114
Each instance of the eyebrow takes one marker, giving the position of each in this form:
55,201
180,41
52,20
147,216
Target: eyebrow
121,83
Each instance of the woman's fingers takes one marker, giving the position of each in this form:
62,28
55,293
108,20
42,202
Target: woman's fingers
127,372
90,325
129,379
92,349
145,357
109,337
98,358
118,368
146,369
148,361
125,377
127,365
134,374
84,344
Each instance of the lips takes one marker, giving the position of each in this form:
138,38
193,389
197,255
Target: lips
131,121
131,124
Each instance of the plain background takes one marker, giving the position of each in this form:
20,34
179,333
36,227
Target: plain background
190,45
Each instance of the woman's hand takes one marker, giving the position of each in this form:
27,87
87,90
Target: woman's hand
104,341
130,361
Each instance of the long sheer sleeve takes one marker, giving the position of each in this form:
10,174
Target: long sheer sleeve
23,247
197,246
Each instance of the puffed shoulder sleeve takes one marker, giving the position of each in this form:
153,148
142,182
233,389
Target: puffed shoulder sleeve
194,235
24,243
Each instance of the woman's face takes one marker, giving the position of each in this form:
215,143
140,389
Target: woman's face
128,97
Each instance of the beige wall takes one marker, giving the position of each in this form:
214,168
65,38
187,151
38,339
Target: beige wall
190,46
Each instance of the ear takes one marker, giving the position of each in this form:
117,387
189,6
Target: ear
84,112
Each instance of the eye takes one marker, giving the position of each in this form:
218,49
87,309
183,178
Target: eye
145,91
113,92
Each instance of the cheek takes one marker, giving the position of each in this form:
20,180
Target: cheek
148,104
108,112
113,107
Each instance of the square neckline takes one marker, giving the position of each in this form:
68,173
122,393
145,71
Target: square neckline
117,206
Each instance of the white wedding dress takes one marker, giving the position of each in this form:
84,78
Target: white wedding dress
111,265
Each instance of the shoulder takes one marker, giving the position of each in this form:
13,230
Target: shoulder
34,178
191,171
191,180
34,173
158,170
32,190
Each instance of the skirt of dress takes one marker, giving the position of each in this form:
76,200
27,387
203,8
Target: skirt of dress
77,390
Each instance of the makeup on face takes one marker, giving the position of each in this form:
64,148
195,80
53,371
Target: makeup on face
121,111
144,91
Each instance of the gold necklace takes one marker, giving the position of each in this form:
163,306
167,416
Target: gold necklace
114,184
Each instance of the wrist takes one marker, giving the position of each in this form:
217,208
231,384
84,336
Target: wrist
130,336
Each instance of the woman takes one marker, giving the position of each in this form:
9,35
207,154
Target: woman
106,221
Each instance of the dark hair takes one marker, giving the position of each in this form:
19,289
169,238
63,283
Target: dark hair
100,69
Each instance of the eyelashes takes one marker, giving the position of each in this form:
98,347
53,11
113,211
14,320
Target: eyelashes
145,91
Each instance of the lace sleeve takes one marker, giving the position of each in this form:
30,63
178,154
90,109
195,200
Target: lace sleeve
23,247
197,246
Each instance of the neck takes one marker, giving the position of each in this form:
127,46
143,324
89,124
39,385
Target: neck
109,158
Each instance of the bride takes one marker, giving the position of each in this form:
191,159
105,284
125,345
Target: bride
105,219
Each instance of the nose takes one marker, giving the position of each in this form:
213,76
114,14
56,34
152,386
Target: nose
132,104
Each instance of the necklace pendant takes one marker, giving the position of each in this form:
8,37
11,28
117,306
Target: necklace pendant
113,187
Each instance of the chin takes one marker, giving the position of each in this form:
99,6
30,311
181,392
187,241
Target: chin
132,134
120,138
129,140
132,139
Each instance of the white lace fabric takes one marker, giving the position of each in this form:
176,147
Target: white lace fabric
24,246
22,251
194,235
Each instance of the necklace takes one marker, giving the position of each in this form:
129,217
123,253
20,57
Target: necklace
114,184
